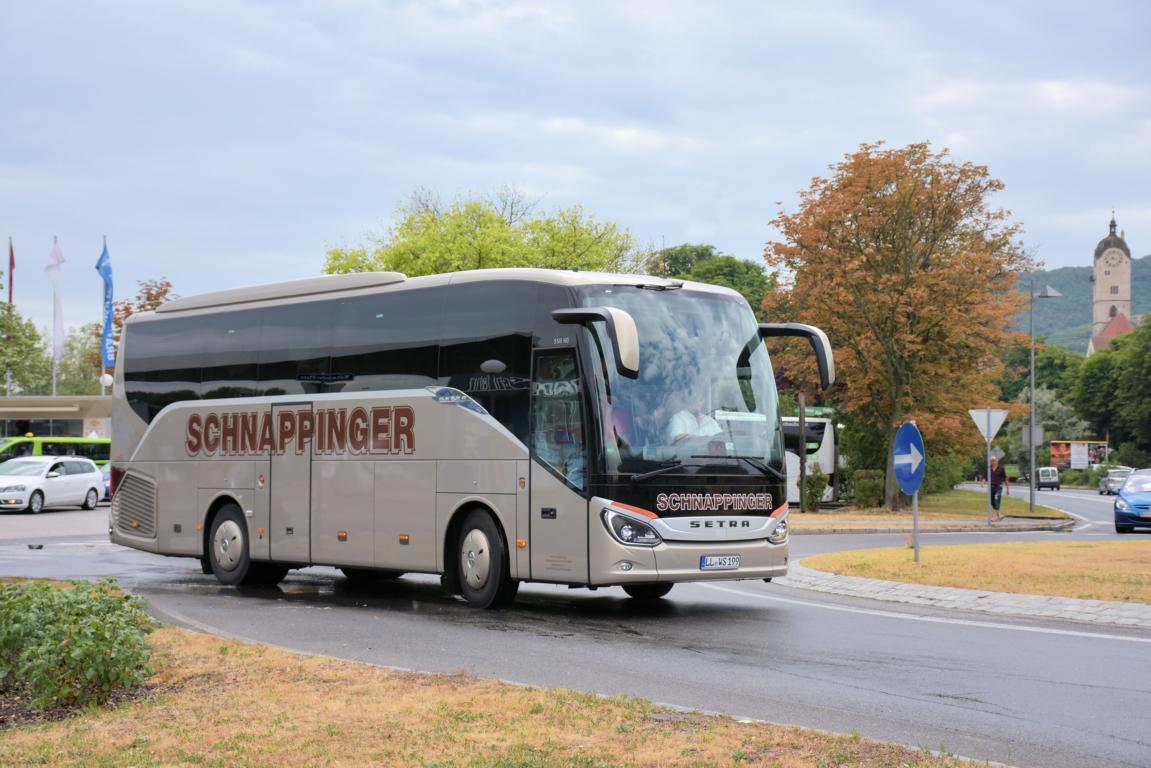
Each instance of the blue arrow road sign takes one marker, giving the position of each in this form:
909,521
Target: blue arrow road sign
907,452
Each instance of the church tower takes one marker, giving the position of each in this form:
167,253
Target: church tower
1112,282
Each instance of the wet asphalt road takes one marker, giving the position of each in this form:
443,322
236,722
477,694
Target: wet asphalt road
1022,692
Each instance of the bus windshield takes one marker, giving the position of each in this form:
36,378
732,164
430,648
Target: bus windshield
705,389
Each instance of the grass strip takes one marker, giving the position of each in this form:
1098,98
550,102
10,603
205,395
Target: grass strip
1090,570
951,506
222,703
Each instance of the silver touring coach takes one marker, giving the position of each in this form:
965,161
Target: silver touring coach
495,427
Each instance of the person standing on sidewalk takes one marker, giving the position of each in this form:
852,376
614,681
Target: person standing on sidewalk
997,483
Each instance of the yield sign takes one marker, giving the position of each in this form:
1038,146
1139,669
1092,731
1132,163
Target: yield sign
907,456
988,420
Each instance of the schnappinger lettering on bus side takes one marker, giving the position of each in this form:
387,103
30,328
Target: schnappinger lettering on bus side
712,502
379,430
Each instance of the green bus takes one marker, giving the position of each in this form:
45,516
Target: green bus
97,449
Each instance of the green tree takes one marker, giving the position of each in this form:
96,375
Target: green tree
79,370
748,278
1096,389
1057,418
1113,392
499,231
1056,368
1133,422
23,354
679,260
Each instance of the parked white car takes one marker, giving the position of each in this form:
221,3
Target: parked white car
35,483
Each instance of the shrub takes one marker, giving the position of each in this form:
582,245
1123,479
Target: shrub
814,483
942,473
869,487
71,646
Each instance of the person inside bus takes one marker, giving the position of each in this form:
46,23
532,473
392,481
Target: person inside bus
692,422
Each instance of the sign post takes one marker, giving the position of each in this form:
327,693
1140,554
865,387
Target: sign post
988,420
907,456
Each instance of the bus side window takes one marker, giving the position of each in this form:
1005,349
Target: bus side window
385,341
231,351
557,417
295,349
487,347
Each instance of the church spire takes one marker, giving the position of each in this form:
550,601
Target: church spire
1113,225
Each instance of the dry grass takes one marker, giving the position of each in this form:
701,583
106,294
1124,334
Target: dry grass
942,510
223,703
1094,570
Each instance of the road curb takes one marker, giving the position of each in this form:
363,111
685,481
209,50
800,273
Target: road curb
1061,525
1105,612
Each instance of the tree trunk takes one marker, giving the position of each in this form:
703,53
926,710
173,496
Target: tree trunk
894,500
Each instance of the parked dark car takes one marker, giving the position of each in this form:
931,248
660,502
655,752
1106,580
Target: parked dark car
1133,504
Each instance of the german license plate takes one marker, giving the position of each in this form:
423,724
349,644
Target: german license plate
718,562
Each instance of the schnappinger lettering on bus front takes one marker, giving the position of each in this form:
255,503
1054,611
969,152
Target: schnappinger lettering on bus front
712,502
329,431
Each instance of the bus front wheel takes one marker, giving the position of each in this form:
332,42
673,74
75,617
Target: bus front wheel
647,591
228,546
228,552
483,563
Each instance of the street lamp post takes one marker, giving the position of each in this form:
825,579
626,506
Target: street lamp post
1047,293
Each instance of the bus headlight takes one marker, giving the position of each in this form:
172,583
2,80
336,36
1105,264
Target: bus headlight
628,530
779,535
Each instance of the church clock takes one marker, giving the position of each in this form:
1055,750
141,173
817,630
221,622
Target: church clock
1113,257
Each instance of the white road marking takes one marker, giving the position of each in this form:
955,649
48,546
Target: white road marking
930,619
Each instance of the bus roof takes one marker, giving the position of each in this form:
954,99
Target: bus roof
326,285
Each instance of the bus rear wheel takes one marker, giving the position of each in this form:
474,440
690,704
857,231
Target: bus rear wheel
228,552
483,563
647,591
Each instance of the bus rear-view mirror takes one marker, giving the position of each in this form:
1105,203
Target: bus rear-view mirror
819,343
620,329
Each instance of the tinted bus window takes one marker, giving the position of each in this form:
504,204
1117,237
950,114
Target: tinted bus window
162,364
385,341
231,350
487,347
295,349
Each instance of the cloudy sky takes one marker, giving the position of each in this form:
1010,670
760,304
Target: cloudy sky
228,143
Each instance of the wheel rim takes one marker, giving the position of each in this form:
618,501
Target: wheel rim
228,545
475,559
36,503
91,498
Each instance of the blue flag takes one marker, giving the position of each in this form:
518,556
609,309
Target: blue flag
107,344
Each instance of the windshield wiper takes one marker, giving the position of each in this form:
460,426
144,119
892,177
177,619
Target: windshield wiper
655,472
753,461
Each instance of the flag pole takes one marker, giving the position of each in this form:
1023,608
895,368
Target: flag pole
103,389
11,269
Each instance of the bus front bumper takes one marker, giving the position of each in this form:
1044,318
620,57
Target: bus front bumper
674,561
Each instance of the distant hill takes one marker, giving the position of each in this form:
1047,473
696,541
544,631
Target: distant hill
1067,321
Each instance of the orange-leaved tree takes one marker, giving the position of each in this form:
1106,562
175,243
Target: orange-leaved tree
900,259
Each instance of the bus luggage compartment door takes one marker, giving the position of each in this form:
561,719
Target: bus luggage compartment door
290,481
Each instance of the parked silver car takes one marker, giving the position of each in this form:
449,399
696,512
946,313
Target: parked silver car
1110,483
35,483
